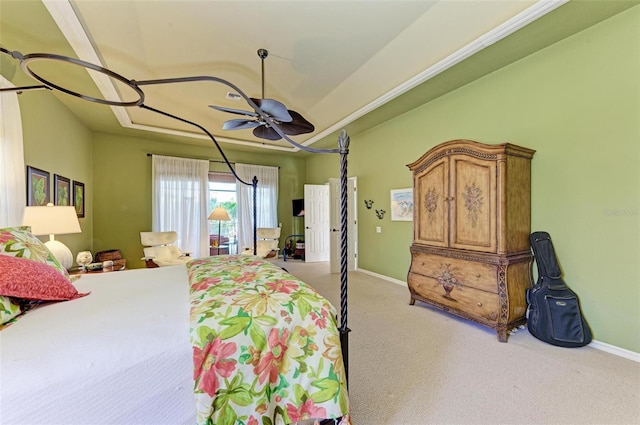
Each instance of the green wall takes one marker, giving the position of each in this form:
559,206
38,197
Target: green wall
57,142
122,187
54,139
577,103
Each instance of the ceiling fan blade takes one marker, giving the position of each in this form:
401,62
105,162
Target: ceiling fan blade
239,124
274,109
234,111
299,125
264,132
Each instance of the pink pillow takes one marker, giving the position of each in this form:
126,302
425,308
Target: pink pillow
32,280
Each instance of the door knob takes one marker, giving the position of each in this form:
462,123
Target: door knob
307,227
335,230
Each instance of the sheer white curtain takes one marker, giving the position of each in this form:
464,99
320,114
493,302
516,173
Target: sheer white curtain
180,201
13,190
267,200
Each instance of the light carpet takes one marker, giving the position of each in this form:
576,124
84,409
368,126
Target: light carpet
414,365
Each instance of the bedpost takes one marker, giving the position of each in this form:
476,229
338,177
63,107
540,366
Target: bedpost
255,214
343,145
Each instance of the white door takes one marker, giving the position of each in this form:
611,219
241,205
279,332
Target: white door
316,222
352,225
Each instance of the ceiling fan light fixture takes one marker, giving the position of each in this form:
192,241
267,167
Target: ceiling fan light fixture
288,121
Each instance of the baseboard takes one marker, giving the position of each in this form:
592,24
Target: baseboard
603,346
383,277
627,354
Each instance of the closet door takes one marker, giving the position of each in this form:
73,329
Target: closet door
316,222
473,203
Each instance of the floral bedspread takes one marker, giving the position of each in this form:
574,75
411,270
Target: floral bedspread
266,347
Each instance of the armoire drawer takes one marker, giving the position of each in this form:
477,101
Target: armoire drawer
472,301
468,273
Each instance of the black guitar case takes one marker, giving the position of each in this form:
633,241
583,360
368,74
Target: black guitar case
553,313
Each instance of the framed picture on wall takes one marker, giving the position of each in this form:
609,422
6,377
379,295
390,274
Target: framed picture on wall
61,190
78,197
402,204
37,187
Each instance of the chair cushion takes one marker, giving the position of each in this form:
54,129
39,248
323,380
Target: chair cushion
265,247
158,252
174,252
172,262
268,232
166,255
158,238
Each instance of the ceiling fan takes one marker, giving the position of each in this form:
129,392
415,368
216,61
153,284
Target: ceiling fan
290,122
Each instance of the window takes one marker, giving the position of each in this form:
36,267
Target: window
238,201
222,192
180,201
266,200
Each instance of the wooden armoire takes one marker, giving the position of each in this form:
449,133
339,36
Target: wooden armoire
470,254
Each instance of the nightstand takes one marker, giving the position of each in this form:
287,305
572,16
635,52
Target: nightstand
118,265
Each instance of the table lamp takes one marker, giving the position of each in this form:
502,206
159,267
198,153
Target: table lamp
220,214
53,220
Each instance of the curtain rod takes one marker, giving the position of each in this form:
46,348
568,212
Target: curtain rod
206,159
188,157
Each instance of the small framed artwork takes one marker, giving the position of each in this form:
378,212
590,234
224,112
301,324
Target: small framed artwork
37,187
62,190
402,204
78,197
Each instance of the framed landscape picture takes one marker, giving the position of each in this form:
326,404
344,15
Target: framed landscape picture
402,204
78,197
61,190
37,187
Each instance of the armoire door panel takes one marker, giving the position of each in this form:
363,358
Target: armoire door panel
473,189
431,205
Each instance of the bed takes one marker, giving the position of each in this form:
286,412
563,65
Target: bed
314,387
120,355
138,350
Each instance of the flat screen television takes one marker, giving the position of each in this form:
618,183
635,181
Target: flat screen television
298,207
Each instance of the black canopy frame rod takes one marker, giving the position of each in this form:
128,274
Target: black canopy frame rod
342,150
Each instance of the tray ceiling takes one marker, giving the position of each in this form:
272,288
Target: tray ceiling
332,61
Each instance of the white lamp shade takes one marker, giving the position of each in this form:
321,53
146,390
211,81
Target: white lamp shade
51,220
220,214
